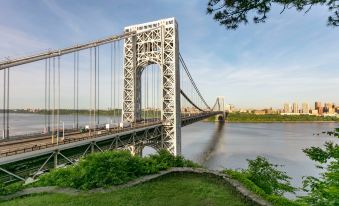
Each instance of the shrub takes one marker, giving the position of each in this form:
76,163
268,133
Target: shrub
111,168
323,190
266,176
11,188
264,179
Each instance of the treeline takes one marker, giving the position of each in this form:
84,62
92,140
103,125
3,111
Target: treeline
247,117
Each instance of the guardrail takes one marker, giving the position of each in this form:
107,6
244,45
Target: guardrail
83,136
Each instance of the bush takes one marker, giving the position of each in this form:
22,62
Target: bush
111,168
12,188
323,190
264,179
266,176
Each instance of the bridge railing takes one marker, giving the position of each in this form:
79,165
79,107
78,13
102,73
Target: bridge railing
81,137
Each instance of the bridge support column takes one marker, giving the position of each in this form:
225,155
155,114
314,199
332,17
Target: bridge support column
154,43
56,158
92,147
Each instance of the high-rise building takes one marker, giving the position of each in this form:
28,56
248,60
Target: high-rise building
318,107
295,108
305,108
329,108
287,108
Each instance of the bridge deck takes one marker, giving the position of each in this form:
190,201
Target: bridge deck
16,147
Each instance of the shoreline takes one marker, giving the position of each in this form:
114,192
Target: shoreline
276,121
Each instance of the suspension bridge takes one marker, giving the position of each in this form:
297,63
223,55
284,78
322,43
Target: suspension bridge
126,91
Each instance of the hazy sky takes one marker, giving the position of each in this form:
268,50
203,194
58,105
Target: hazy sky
293,57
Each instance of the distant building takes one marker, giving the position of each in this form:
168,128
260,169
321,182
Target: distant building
305,108
229,108
314,112
259,112
329,108
318,107
271,111
287,108
295,108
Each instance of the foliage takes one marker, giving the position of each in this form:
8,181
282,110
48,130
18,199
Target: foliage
111,168
248,117
266,176
11,188
324,191
173,189
231,13
264,179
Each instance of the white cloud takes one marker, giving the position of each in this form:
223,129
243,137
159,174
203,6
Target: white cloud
14,43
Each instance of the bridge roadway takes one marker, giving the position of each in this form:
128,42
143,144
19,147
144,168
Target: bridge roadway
17,148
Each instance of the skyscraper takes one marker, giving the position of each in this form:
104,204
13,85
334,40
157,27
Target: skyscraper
295,108
329,108
305,108
319,108
287,108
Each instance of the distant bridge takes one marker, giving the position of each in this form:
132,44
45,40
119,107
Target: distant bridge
154,106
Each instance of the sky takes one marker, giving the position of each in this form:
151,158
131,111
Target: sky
293,57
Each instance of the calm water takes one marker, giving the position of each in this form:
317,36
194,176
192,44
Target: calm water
226,146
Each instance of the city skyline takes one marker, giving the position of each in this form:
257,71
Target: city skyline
247,69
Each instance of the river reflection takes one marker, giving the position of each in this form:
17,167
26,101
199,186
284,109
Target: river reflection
228,146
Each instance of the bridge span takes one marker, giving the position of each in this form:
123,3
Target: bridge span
151,91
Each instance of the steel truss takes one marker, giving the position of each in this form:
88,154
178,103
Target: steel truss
134,141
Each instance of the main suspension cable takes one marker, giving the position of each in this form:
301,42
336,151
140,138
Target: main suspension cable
191,79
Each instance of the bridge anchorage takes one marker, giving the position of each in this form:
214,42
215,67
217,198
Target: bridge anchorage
152,110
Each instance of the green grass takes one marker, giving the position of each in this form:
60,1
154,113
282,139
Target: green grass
175,189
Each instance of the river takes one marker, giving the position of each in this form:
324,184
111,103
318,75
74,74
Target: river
218,146
228,146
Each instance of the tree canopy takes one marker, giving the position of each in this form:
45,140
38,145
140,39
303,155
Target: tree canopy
232,13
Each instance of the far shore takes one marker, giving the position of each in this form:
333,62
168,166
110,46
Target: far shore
281,121
227,121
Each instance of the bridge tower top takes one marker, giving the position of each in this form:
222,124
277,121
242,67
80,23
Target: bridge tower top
151,25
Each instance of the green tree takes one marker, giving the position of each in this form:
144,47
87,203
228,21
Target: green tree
231,13
324,191
266,176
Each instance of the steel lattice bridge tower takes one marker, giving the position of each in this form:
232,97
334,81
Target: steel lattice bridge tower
153,44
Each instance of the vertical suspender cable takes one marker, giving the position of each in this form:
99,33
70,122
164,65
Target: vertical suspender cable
95,88
146,94
4,106
98,85
90,91
114,81
77,90
74,94
58,117
45,110
153,92
53,113
111,58
49,95
7,103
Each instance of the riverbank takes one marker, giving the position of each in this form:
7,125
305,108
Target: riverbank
276,118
